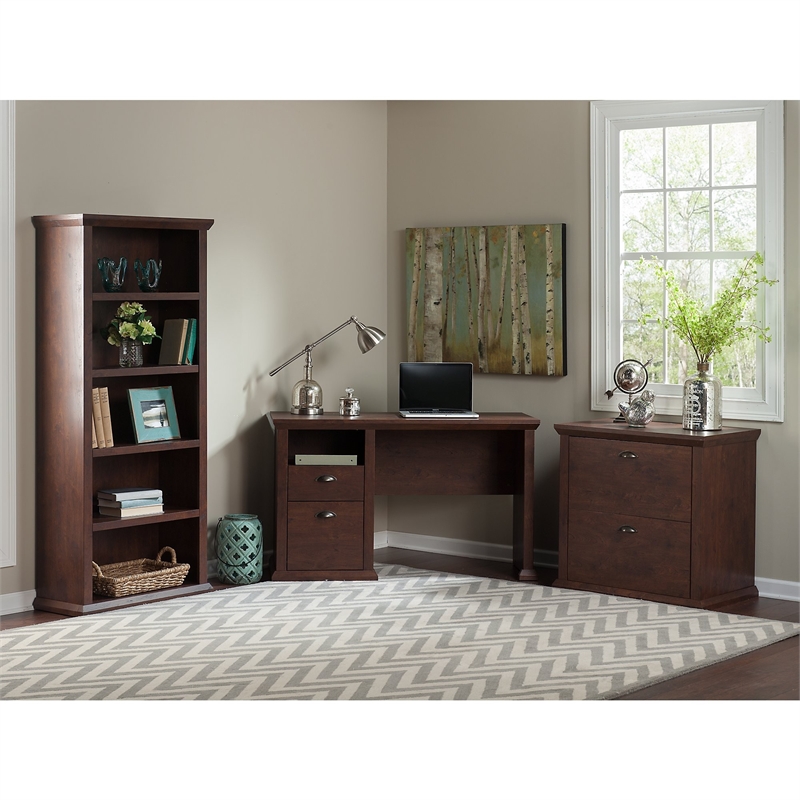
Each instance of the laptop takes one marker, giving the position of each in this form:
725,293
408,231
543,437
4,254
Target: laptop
436,390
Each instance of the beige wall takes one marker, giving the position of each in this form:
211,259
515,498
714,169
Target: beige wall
298,194
473,163
301,194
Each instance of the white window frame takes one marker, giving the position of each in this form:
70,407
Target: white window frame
8,415
764,402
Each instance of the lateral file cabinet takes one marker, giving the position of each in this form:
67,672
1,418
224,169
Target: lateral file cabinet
658,512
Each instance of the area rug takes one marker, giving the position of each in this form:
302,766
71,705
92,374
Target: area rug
412,635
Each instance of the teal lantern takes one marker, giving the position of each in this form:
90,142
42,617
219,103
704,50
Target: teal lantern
240,549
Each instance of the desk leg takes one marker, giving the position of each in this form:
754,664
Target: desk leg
523,510
369,505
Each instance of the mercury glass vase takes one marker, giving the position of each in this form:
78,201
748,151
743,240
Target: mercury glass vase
131,353
702,401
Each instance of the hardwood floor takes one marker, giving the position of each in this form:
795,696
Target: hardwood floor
771,673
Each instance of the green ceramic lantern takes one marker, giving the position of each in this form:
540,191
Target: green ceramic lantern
240,549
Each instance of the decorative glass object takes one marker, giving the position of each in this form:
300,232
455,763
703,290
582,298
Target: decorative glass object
307,393
702,401
349,405
131,353
113,275
147,276
640,411
240,553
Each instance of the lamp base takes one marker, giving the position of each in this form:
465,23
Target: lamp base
309,412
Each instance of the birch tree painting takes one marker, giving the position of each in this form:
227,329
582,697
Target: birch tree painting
492,295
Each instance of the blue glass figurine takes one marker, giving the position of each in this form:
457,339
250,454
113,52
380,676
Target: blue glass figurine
113,276
147,276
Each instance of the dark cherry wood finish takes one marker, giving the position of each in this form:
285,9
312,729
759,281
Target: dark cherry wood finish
658,512
71,359
490,455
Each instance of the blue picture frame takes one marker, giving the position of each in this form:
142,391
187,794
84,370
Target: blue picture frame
153,413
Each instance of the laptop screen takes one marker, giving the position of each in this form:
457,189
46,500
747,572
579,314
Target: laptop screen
436,386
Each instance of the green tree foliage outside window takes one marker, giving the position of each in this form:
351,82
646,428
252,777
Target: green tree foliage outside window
688,211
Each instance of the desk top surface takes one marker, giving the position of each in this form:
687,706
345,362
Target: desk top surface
393,421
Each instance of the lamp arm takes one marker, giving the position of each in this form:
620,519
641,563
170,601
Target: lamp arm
309,347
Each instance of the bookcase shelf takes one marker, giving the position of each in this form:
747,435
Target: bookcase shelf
142,297
137,449
104,523
128,372
72,358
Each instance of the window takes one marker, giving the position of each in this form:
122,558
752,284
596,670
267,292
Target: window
697,186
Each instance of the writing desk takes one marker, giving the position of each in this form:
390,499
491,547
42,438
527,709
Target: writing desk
324,515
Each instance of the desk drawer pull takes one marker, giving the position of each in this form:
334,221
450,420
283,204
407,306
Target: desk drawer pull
325,479
628,454
626,529
325,515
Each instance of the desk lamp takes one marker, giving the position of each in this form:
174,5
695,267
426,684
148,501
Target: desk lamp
307,393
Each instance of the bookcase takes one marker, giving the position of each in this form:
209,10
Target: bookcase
72,358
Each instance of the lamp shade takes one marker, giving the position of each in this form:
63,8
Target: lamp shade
368,336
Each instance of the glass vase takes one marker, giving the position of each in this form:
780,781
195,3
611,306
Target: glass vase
702,401
131,353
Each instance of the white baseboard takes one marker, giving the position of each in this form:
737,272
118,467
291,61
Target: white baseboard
17,601
459,547
767,587
778,590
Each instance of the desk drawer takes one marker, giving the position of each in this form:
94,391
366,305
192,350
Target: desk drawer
317,541
326,483
627,552
649,480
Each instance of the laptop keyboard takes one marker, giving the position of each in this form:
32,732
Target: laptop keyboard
439,415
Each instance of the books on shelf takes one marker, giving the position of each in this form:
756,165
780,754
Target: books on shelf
178,341
102,432
134,511
97,417
191,342
173,341
132,493
105,417
139,501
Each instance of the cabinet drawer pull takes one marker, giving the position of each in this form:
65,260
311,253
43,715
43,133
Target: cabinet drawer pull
626,529
325,478
628,454
325,515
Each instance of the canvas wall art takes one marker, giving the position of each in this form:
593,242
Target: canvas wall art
492,295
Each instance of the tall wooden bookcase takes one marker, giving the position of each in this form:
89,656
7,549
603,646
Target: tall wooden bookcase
71,359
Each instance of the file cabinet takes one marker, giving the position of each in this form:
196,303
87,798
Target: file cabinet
658,513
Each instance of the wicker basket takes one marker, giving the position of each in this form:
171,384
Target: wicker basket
141,575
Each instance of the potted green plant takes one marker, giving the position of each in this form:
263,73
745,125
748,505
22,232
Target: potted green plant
129,330
707,329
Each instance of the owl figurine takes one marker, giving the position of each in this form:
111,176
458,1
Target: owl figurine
640,411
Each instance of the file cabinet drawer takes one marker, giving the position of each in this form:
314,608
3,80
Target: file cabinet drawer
628,552
325,536
640,478
326,483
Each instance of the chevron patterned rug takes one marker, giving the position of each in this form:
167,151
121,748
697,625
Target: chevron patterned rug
413,635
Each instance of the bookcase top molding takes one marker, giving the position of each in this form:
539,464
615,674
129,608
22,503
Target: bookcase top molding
119,221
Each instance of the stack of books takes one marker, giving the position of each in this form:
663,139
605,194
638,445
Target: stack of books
102,434
178,341
133,502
